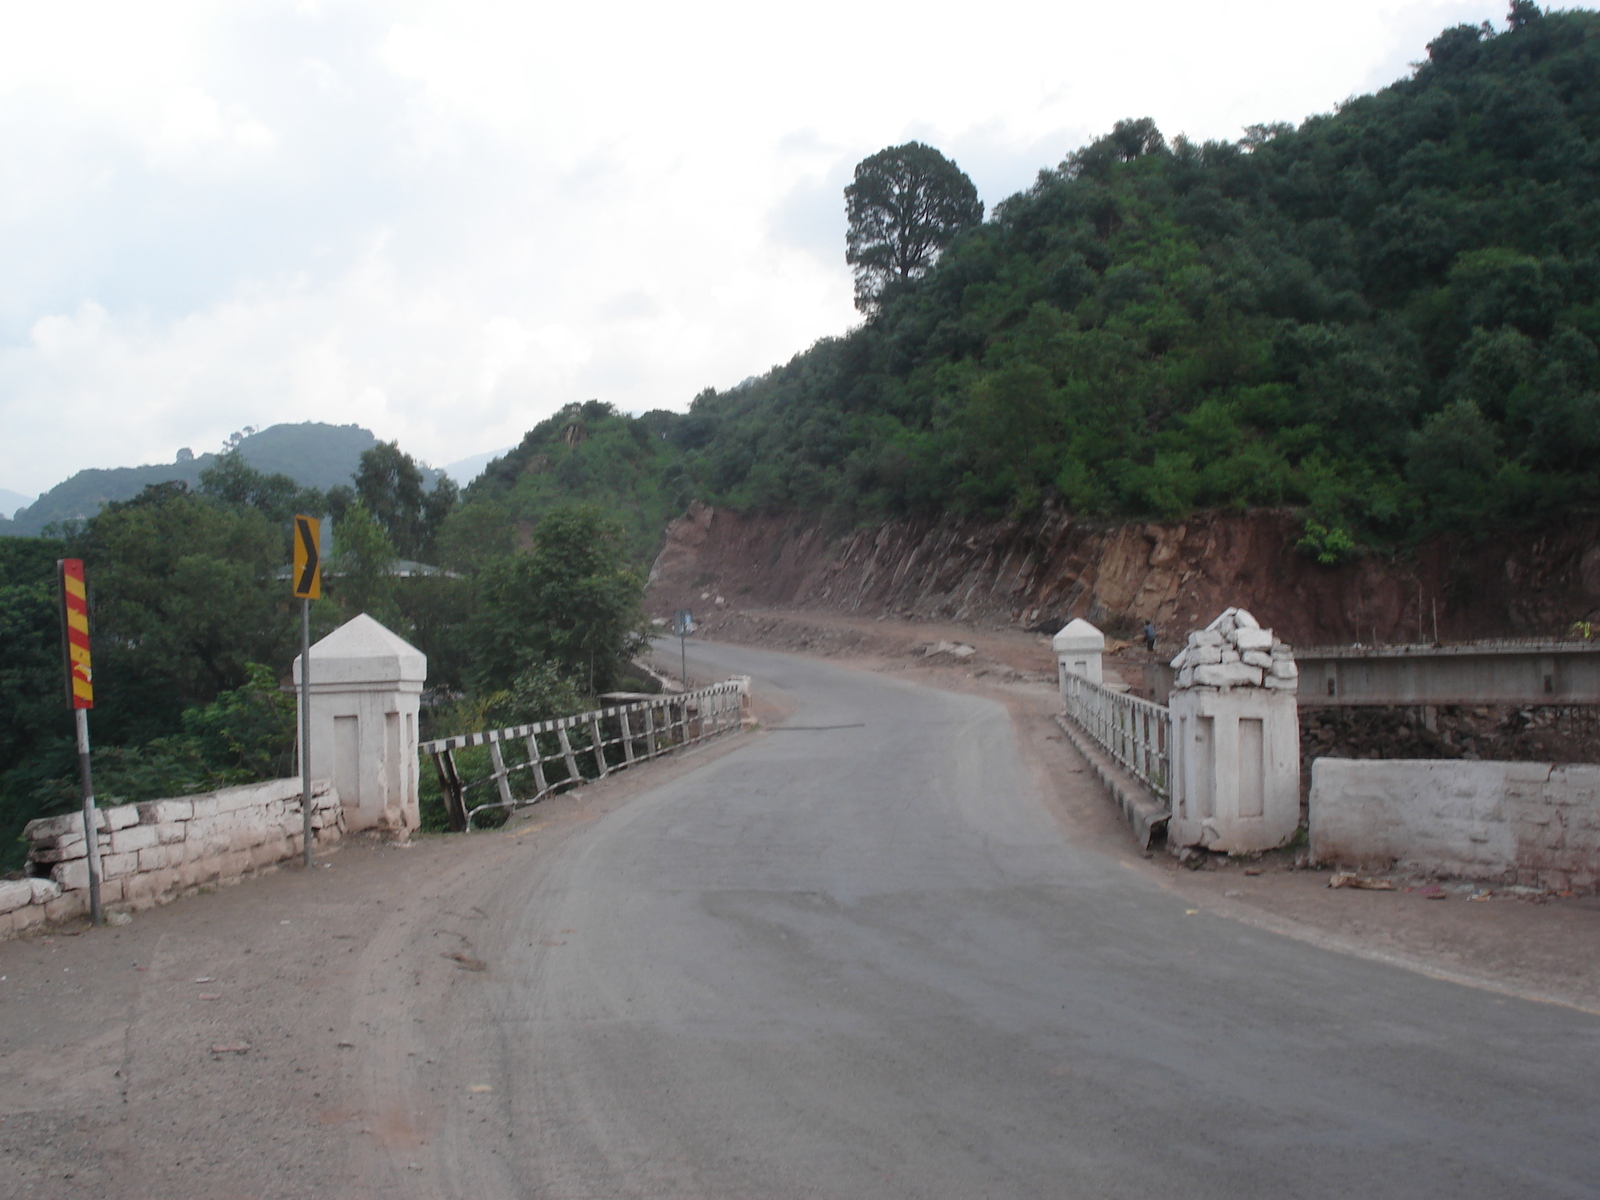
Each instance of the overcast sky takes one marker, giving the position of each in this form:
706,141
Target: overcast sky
444,221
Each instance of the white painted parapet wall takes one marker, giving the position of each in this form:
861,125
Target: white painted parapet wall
366,688
1236,739
1533,824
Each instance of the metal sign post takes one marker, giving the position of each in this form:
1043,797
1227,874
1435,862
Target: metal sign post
80,694
683,626
307,581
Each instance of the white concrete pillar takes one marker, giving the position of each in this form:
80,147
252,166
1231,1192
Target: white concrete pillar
366,688
1235,739
1079,647
1236,768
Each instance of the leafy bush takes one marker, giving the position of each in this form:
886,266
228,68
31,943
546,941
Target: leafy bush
1328,546
249,731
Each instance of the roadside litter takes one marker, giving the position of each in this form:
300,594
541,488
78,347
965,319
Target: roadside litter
1349,879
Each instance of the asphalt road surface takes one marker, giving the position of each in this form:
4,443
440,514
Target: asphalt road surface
858,958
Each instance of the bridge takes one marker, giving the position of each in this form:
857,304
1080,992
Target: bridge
1508,671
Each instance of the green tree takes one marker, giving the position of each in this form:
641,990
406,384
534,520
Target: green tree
233,481
184,594
1523,12
363,558
248,732
35,722
245,735
904,206
185,604
436,507
1451,460
476,533
434,612
1135,138
389,483
571,601
538,694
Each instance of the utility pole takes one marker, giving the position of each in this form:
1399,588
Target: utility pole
683,626
305,730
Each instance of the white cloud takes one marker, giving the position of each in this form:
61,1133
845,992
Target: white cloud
445,220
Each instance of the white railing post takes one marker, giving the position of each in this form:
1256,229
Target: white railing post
599,745
541,785
501,783
567,755
627,735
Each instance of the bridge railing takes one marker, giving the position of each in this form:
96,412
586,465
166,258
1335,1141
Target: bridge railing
1135,732
565,751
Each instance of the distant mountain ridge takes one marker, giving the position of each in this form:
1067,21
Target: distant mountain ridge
313,454
11,501
465,470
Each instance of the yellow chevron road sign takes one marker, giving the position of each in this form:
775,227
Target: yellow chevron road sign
307,558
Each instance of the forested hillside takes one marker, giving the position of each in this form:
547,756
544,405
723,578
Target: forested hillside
1388,315
589,453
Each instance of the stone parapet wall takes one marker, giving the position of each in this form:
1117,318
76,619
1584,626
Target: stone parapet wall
154,851
1534,824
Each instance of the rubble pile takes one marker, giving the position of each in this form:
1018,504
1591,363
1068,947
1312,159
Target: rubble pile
1234,651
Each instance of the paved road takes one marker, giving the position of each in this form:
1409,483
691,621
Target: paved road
857,958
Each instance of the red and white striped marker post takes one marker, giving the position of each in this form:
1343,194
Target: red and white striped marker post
80,693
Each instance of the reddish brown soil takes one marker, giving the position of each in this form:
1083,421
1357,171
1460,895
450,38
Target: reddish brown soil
1037,573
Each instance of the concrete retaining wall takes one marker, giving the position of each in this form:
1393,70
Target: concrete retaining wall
156,850
1508,822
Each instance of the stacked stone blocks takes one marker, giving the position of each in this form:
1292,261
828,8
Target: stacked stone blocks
154,851
1234,651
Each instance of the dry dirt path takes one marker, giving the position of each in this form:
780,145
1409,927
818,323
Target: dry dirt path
111,1080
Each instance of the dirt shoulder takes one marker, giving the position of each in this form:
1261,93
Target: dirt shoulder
1537,947
237,1043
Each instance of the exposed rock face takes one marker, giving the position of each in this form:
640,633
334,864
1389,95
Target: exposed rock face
1041,572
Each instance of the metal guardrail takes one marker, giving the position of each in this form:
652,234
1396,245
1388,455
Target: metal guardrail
1135,732
1501,672
565,751
1487,646
1508,671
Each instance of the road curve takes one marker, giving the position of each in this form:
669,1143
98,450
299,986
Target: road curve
857,958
